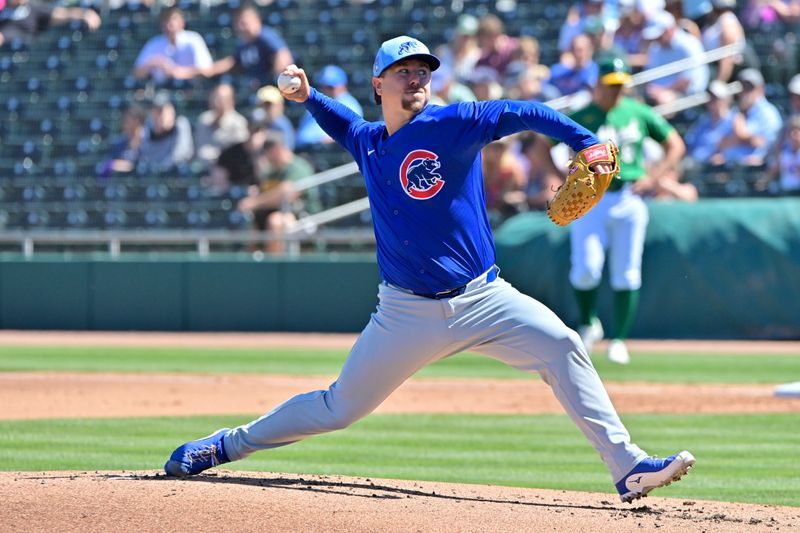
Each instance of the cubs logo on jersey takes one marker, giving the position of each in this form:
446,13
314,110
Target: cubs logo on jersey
419,175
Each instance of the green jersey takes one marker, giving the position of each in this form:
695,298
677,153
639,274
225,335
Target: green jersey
627,124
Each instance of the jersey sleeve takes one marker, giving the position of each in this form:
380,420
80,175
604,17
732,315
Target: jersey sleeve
658,128
335,118
499,118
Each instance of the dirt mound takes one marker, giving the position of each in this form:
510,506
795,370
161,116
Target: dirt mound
234,501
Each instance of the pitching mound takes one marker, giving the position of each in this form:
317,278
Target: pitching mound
234,501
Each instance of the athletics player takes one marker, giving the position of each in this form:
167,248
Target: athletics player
619,221
441,293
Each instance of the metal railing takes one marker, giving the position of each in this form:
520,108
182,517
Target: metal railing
202,241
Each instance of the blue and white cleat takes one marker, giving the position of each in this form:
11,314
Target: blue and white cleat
198,455
653,473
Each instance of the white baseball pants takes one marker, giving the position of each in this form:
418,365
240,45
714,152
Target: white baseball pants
617,223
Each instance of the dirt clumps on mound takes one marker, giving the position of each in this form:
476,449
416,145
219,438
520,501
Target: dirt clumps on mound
236,501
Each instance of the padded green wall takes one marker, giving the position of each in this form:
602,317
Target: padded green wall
726,268
309,295
715,269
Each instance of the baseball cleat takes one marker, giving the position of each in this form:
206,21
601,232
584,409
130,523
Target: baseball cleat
198,455
618,352
591,333
652,473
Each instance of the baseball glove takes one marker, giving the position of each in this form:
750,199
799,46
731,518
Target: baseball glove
583,188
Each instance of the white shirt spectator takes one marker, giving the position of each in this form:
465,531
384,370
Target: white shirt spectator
682,45
189,50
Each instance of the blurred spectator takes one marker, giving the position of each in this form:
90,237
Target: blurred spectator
786,170
703,138
581,74
671,43
233,167
220,126
670,187
23,20
794,95
332,81
721,27
541,182
628,36
602,39
168,142
768,13
485,84
685,14
177,53
756,124
588,17
132,5
497,48
124,152
532,86
793,90
524,59
504,181
261,53
269,116
462,52
278,167
446,90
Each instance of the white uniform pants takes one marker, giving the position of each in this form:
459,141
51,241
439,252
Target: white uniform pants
617,223
408,332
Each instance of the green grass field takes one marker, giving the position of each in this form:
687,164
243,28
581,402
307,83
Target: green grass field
657,368
743,458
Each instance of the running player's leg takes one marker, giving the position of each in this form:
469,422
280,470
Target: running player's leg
588,240
406,333
628,222
522,332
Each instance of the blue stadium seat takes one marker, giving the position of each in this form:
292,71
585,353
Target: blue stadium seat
115,218
156,218
115,192
37,218
77,218
74,193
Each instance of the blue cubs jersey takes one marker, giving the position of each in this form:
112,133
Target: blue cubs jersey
425,183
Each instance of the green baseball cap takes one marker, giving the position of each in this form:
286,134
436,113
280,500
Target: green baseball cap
613,71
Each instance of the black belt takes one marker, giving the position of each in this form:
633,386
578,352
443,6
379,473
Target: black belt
458,291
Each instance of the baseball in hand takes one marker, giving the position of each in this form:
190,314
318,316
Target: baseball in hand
288,84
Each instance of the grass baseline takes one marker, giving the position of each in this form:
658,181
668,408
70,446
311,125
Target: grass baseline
654,368
741,458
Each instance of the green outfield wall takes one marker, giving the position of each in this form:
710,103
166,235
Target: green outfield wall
716,269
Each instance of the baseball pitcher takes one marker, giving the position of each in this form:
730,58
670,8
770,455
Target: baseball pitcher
441,293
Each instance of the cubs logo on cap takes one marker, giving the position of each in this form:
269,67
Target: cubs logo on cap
402,47
419,175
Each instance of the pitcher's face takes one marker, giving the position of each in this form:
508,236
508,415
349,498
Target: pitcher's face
406,84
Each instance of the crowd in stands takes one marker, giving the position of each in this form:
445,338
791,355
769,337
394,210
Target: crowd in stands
255,146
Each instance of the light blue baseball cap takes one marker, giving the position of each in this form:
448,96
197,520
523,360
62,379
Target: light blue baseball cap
402,47
332,76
